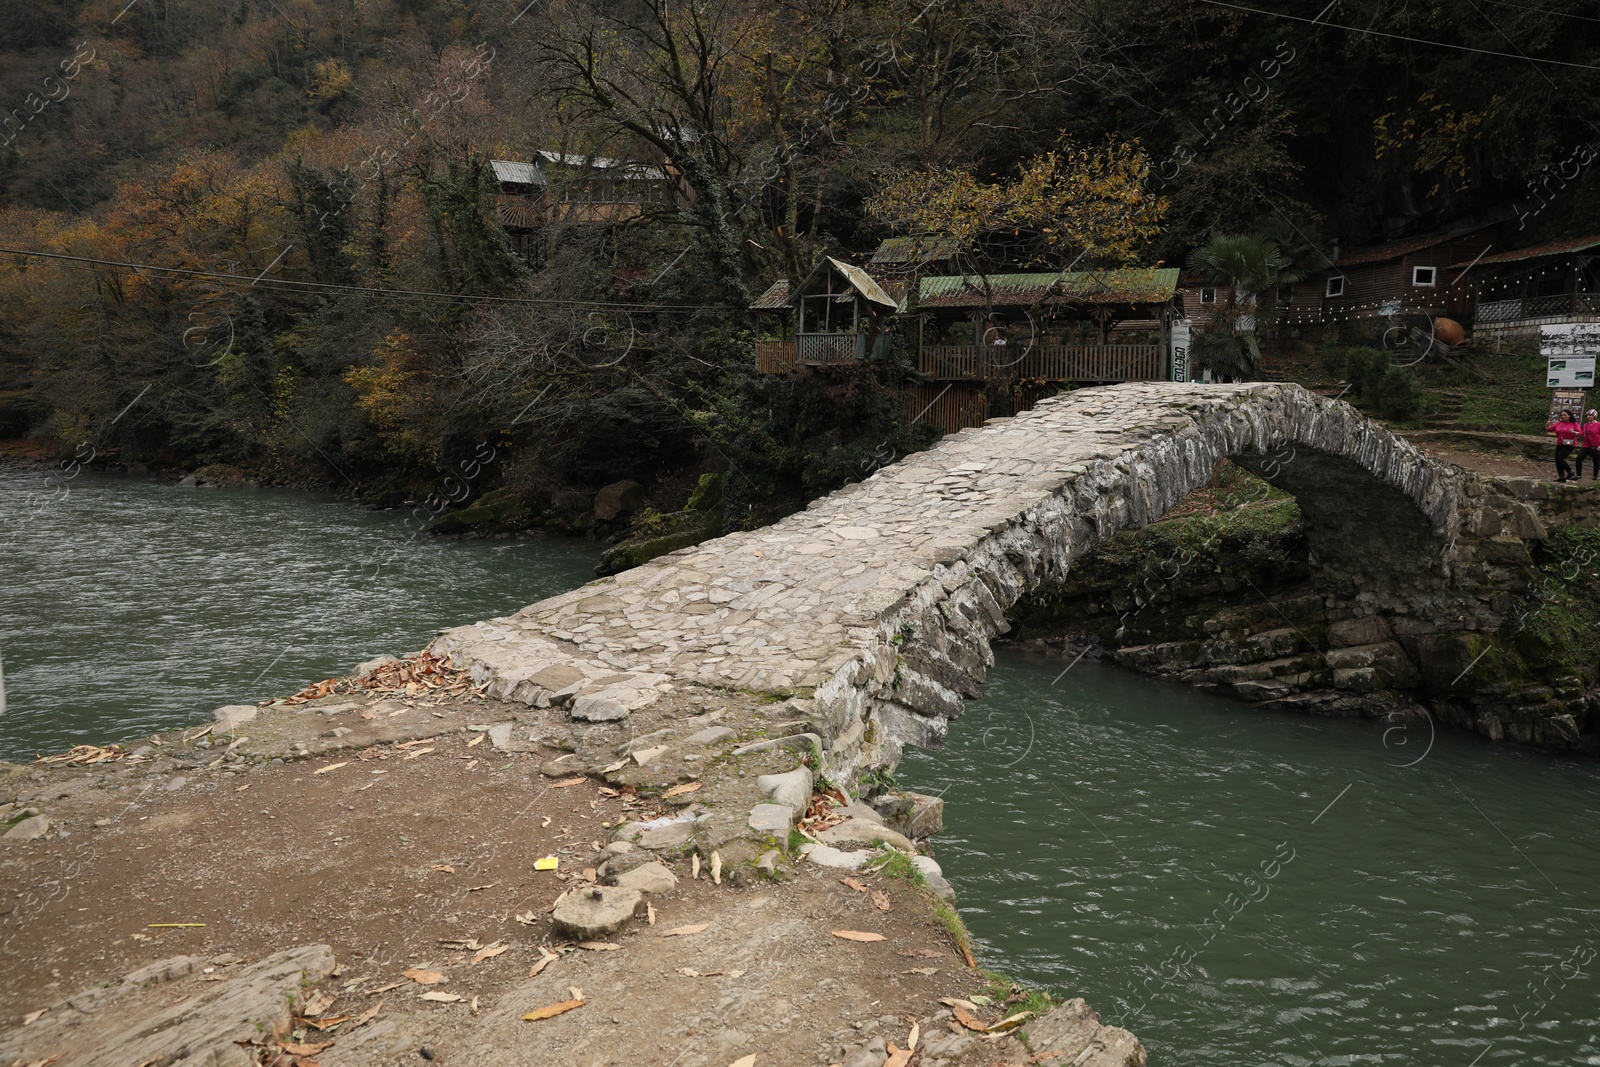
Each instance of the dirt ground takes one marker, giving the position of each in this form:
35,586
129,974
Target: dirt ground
421,856
1493,464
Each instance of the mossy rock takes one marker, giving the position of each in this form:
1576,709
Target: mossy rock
633,552
497,512
707,495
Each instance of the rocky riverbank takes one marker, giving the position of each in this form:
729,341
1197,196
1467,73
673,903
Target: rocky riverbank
353,876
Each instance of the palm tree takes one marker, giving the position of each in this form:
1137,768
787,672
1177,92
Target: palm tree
1251,267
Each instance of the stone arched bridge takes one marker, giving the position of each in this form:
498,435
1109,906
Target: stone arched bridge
874,607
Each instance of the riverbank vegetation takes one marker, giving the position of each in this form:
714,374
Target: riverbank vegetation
340,300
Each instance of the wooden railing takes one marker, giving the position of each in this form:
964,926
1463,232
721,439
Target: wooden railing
775,357
832,347
1083,363
1539,307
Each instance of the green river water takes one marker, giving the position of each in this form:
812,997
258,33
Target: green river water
1236,887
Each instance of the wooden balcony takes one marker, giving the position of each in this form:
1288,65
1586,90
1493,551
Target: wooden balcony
1056,363
775,357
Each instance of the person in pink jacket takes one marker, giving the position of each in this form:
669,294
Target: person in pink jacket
1589,447
1568,433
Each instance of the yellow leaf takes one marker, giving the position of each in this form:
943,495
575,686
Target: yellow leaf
331,767
566,782
858,935
544,961
423,977
551,1010
440,998
898,1057
488,953
744,1061
681,931
679,790
414,753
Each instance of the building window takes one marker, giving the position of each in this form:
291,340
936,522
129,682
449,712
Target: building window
1285,294
1208,295
1424,275
1335,286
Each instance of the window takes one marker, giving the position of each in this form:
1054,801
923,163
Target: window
1285,294
1424,275
1208,295
1335,286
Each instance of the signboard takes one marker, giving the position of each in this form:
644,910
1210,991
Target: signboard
1568,339
1570,372
1180,350
1566,400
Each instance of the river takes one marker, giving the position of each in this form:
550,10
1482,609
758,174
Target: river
1246,888
1237,887
129,606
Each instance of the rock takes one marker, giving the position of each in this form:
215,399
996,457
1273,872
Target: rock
560,767
130,1023
870,1055
601,707
177,783
828,856
500,736
768,863
925,818
367,666
338,732
792,789
1368,631
651,877
774,819
590,914
666,834
934,876
617,864
101,824
1080,1037
859,833
30,829
232,715
618,498
858,809
709,736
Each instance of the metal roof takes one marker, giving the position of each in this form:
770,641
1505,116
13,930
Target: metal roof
506,170
1549,248
865,285
927,249
1395,249
775,297
638,171
1134,285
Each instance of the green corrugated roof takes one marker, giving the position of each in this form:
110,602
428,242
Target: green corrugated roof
1133,285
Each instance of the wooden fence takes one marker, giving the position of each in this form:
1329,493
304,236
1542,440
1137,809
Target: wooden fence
1059,363
775,357
951,406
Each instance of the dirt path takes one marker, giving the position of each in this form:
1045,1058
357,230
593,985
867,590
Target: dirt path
419,855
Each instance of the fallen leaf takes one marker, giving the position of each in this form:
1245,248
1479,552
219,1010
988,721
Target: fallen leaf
607,791
966,1018
568,782
477,740
575,992
856,884
898,1057
925,953
880,900
365,1017
423,977
690,972
645,755
317,1004
694,867
326,1024
679,790
296,1048
440,998
650,913
858,935
414,753
445,867
486,885
544,961
1009,1021
957,1002
716,867
680,931
489,953
598,946
331,767
414,744
383,989
617,766
744,1061
911,1041
923,970
550,1011
972,964
588,874
527,918
33,1016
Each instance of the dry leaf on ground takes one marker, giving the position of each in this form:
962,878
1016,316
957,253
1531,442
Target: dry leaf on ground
551,1010
898,1057
716,867
680,931
855,883
599,946
422,977
331,767
1009,1021
911,1040
414,753
566,782
650,912
966,1018
544,961
440,998
489,953
858,935
33,1016
880,900
298,1048
690,972
744,1061
445,867
365,1017
476,740
383,989
317,1004
679,790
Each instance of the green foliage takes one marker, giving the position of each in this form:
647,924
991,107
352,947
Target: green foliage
1013,997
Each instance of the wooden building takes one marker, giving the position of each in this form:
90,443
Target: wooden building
1513,293
837,314
1398,277
559,187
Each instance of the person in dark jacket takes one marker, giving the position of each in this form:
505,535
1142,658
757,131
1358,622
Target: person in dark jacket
1568,434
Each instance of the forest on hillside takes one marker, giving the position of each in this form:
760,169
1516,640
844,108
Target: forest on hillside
340,302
